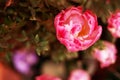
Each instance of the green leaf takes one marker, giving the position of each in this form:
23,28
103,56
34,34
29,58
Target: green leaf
38,51
37,39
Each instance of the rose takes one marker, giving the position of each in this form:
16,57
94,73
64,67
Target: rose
107,55
46,77
114,24
77,30
79,74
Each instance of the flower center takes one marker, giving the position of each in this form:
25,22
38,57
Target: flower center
78,20
85,29
73,17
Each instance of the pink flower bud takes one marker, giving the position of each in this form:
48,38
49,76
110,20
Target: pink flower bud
106,56
114,24
46,77
77,30
79,75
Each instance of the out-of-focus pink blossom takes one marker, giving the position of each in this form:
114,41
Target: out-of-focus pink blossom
106,56
77,30
46,77
79,75
114,24
23,59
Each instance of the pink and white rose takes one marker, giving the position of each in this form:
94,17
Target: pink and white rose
106,56
79,74
77,30
114,24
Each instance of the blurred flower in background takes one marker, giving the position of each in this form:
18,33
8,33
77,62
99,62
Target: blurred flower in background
114,24
54,69
24,59
77,30
79,74
107,1
46,77
107,55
